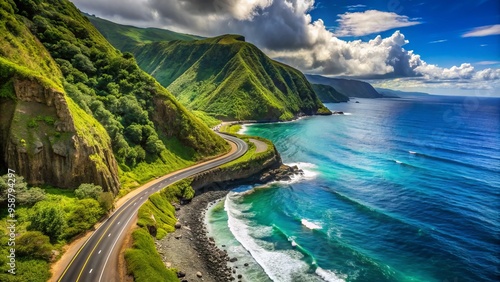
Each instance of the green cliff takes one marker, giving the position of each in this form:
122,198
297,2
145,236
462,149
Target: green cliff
230,79
126,37
328,94
224,76
74,109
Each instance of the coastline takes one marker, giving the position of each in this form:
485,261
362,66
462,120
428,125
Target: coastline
190,250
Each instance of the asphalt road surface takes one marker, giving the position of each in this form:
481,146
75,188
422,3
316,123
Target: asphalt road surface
89,263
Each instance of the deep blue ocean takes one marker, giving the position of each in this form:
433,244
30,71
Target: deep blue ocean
394,190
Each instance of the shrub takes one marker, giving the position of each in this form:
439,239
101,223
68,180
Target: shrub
48,218
106,201
30,196
85,214
25,196
34,244
88,190
32,123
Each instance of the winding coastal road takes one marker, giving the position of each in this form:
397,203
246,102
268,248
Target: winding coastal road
90,262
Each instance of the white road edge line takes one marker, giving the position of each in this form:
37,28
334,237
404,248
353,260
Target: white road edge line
113,246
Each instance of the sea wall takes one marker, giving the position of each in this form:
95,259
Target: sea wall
262,168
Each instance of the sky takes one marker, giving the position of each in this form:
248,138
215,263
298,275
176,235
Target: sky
434,46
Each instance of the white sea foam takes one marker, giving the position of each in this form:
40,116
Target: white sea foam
310,225
262,232
309,170
412,152
398,162
243,129
328,275
279,266
348,114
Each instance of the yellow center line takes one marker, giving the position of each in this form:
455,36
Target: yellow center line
95,246
81,248
104,233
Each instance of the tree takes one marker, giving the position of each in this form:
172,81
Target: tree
134,133
88,190
154,145
48,218
24,194
106,201
34,244
31,196
83,63
85,214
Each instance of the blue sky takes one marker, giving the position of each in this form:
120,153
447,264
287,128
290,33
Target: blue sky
438,38
436,46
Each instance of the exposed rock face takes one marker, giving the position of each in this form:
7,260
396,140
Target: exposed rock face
218,178
265,170
56,155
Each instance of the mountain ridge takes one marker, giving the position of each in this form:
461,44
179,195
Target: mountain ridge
347,87
127,37
148,131
204,73
229,78
328,94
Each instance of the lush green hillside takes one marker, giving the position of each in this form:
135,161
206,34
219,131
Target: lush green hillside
347,87
328,94
125,37
40,125
229,79
151,133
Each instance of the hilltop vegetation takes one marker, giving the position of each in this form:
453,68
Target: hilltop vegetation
229,79
126,37
145,122
225,77
75,110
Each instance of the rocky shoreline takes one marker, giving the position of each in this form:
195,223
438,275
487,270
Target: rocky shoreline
191,251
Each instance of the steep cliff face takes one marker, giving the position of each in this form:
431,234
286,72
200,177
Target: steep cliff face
347,87
328,94
47,144
248,171
230,79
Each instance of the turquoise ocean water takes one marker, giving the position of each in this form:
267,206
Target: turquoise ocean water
395,190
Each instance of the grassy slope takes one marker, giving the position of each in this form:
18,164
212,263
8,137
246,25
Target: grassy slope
23,56
328,94
125,37
143,261
185,138
229,78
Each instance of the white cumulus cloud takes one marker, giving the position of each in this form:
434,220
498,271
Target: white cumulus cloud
285,30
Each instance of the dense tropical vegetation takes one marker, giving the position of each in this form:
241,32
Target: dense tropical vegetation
110,101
